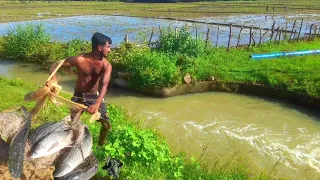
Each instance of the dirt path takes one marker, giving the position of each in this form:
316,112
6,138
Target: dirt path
29,172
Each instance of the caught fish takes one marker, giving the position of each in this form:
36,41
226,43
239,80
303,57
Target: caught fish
51,143
17,147
84,171
45,129
76,154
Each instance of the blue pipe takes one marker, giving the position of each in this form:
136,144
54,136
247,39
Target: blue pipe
282,54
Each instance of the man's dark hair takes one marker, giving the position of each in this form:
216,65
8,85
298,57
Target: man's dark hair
99,39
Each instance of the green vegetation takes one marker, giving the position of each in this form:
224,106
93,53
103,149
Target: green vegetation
32,44
178,56
15,11
145,155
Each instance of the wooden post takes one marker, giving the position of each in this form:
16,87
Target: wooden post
208,36
196,34
250,37
272,30
176,32
275,38
151,36
260,34
262,39
300,29
310,32
239,36
217,36
305,30
160,30
294,24
126,38
230,33
285,33
315,31
280,34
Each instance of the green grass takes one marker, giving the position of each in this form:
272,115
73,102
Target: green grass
145,154
15,11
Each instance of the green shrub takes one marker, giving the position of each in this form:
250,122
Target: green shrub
77,46
152,69
180,43
26,43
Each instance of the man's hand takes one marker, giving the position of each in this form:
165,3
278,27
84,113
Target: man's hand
94,108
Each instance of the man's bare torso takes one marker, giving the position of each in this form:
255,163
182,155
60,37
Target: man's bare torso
89,72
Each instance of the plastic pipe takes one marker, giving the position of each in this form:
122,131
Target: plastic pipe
282,54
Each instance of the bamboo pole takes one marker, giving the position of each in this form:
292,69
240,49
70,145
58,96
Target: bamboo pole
239,36
276,36
260,34
300,28
217,36
55,70
294,24
272,30
208,36
310,32
250,37
230,34
263,36
151,36
285,33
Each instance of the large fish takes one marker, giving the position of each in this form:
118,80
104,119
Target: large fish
45,129
51,143
17,147
84,171
76,154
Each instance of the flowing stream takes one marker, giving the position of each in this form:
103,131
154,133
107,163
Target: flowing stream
214,125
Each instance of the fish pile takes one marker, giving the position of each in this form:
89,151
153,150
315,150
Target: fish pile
64,144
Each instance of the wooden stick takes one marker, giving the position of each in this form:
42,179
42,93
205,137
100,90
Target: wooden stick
55,70
262,39
285,33
294,24
272,30
300,28
80,106
260,34
250,37
208,36
275,38
151,36
310,35
217,37
239,36
230,33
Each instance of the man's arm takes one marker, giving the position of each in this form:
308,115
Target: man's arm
105,82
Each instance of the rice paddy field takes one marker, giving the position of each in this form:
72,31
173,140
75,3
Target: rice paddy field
16,11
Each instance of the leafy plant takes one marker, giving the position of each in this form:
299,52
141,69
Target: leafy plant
26,43
181,42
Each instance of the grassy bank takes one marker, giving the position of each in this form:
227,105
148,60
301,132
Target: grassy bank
178,55
15,11
175,57
145,155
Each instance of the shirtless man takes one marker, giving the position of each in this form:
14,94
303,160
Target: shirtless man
94,73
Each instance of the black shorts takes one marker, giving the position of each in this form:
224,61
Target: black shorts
88,100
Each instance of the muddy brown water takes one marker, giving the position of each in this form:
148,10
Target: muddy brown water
270,133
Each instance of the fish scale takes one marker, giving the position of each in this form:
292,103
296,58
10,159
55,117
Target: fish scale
84,171
75,155
43,146
17,148
44,130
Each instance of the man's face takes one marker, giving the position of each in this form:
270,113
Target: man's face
105,49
